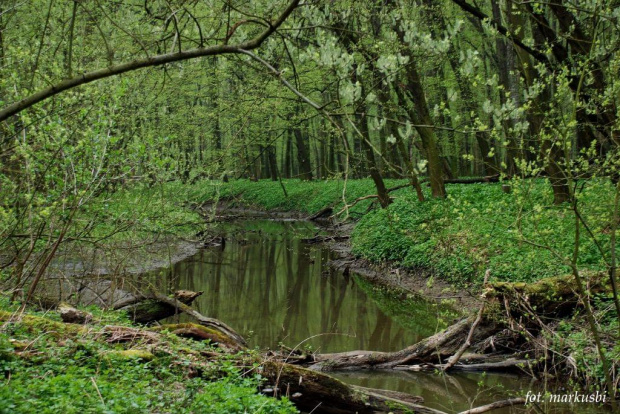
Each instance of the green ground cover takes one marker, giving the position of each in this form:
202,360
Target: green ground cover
47,366
520,236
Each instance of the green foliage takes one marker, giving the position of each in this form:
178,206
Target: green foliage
479,227
303,196
229,397
573,338
79,372
139,212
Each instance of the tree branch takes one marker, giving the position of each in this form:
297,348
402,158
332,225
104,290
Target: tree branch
476,12
158,60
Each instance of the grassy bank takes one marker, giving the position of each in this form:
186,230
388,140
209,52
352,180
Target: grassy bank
519,236
49,367
301,196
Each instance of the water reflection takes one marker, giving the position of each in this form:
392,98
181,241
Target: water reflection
462,391
273,288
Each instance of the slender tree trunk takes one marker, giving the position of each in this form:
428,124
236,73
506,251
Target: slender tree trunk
419,115
69,53
373,169
286,168
273,162
303,156
505,62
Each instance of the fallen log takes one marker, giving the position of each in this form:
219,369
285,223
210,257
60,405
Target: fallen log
455,358
201,333
144,308
316,392
474,180
433,349
323,214
495,405
549,297
202,320
507,364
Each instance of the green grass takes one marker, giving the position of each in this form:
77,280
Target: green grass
303,196
520,236
50,367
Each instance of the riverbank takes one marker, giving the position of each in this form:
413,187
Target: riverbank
49,366
518,237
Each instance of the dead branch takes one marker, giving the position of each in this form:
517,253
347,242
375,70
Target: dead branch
498,404
455,358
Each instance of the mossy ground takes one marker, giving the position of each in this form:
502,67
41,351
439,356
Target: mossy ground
47,366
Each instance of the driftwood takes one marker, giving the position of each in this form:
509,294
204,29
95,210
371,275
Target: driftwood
202,333
455,358
550,297
145,308
506,364
322,214
433,349
201,319
317,392
495,405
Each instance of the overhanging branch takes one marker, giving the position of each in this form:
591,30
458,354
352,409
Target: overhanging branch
158,60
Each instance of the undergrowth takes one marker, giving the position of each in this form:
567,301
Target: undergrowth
50,367
519,236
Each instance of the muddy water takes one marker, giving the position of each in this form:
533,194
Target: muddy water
273,288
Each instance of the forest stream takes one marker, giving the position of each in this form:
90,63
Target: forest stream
284,292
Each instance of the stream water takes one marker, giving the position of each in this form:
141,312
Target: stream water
273,288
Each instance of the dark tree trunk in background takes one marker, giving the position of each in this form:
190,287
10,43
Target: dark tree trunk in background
286,167
420,116
303,156
373,169
273,162
505,61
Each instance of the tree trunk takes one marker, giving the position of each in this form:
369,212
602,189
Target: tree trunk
303,156
433,349
420,117
273,162
310,391
373,169
429,141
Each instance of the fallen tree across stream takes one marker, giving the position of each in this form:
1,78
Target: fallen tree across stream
302,378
